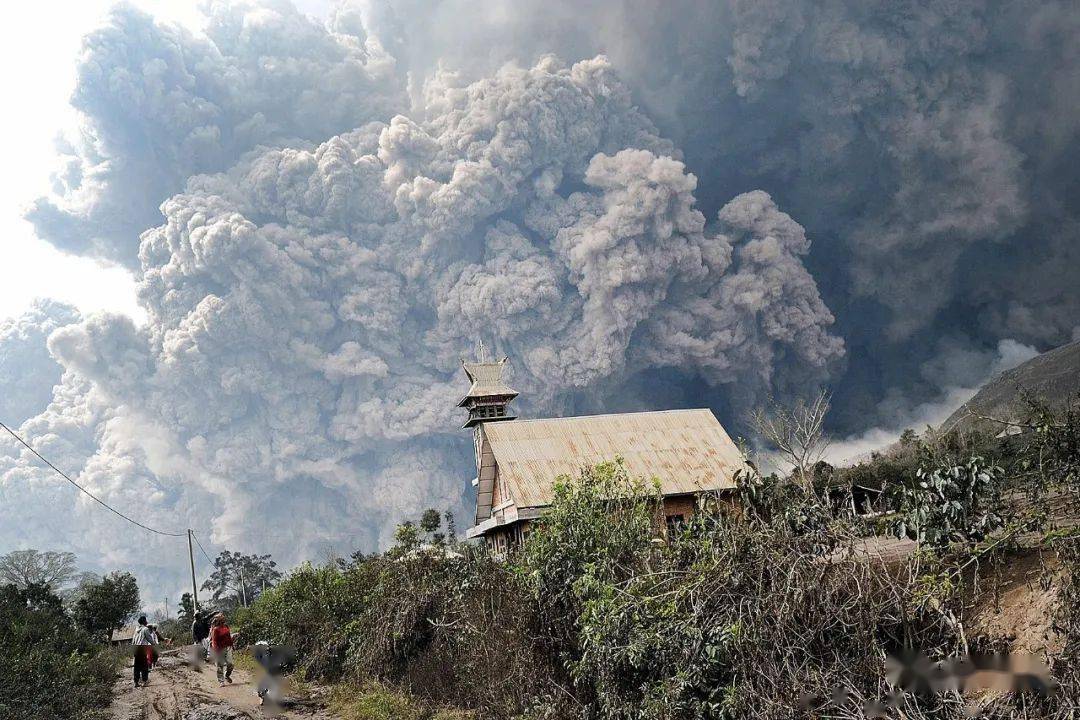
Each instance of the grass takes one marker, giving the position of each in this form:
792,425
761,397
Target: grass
378,702
242,660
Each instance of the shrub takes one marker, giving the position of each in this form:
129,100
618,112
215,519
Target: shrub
452,629
741,615
310,610
598,530
50,669
950,503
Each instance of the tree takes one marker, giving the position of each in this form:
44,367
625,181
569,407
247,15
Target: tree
22,568
50,668
797,433
406,536
186,615
106,605
431,523
239,579
409,536
37,597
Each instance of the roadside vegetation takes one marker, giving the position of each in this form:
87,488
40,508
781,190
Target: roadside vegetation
767,611
54,658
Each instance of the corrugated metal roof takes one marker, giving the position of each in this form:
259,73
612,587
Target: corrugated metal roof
124,634
687,450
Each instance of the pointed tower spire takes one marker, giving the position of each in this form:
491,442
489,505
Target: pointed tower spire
489,396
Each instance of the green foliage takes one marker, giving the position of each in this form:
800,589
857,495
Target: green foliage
50,669
738,615
106,605
798,508
1047,451
431,521
598,530
378,702
406,536
310,610
186,615
950,503
239,579
374,702
409,536
596,617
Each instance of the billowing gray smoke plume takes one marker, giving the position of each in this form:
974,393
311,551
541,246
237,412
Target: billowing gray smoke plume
308,306
162,104
346,207
930,149
27,372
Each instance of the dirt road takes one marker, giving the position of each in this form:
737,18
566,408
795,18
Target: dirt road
179,690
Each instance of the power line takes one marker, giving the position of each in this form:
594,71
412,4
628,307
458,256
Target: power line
86,492
201,547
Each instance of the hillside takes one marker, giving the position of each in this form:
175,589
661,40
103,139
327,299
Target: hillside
1053,376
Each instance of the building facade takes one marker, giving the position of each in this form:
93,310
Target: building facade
518,461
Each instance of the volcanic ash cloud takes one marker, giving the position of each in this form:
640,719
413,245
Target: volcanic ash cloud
308,307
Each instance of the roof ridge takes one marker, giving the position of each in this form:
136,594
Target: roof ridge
605,415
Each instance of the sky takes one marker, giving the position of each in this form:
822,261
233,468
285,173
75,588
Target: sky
42,40
246,244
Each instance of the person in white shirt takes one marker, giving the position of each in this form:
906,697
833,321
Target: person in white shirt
144,642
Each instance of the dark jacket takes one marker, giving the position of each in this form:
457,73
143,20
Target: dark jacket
200,629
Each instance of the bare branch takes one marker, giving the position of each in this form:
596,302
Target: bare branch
26,567
796,432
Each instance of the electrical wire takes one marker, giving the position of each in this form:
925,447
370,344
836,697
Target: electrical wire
201,547
86,492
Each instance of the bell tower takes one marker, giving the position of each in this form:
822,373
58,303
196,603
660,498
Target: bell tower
488,397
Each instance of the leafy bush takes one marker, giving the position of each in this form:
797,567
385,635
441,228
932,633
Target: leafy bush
310,610
598,530
740,615
51,669
950,503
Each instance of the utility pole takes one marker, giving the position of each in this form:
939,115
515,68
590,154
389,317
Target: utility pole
194,588
243,585
166,607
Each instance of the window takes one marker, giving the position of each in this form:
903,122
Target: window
500,543
675,524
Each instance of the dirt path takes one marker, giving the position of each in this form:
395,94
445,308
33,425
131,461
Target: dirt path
182,691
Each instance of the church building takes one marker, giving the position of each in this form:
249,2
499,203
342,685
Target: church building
518,461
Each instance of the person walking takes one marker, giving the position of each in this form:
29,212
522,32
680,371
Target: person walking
143,643
200,633
158,640
221,647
